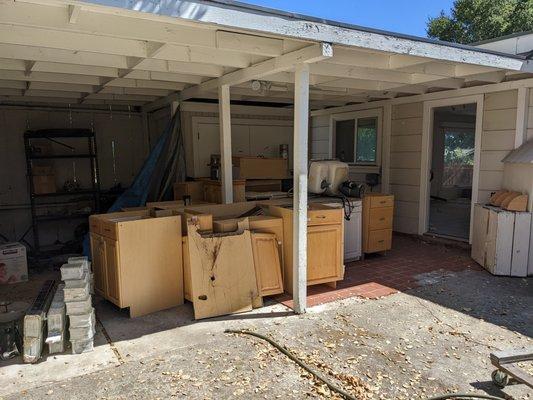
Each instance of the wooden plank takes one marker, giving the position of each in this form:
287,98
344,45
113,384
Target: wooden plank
479,234
521,238
223,278
511,356
499,242
150,280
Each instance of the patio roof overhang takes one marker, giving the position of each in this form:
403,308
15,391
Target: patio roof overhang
151,52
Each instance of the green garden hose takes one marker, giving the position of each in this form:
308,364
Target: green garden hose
334,387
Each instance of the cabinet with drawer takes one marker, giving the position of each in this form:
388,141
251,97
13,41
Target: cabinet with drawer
378,211
137,260
325,244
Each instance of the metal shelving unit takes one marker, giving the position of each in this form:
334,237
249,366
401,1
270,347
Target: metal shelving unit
93,192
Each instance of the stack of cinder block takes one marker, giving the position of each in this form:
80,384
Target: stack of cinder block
78,300
57,322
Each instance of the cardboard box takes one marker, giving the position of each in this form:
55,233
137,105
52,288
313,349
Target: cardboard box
13,263
261,168
43,184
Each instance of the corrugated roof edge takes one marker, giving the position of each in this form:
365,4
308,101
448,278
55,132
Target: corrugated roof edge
523,154
510,36
302,17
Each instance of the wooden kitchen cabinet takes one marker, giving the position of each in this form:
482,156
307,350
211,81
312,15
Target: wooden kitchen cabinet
213,191
378,212
325,244
137,260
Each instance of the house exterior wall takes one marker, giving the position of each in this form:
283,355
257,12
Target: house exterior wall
497,139
530,117
405,159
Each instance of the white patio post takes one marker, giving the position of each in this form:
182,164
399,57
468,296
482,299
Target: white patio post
226,175
301,122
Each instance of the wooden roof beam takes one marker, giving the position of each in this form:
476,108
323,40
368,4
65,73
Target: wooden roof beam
310,54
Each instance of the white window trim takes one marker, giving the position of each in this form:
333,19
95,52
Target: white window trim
372,113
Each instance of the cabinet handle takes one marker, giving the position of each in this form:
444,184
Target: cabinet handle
380,241
382,219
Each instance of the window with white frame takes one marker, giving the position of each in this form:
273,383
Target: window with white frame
356,138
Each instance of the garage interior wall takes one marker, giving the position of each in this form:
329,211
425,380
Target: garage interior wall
260,127
123,129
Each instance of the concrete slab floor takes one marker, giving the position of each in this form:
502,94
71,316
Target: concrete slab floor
432,339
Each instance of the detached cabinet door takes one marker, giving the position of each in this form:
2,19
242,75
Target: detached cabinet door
324,253
99,264
112,271
267,263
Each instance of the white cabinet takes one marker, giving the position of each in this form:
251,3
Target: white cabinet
501,241
249,137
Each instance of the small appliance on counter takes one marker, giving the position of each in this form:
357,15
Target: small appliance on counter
215,167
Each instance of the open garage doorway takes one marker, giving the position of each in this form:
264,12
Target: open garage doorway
452,170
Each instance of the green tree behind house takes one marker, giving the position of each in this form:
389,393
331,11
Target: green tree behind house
476,20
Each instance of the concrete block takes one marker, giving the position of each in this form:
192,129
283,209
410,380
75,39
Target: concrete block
56,347
82,346
72,271
33,327
84,260
82,333
56,317
77,290
56,342
79,307
80,320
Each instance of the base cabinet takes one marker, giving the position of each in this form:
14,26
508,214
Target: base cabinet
378,211
137,261
325,244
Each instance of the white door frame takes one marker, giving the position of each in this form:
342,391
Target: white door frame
427,145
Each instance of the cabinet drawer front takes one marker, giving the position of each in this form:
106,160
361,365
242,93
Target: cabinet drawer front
108,229
324,217
380,218
381,201
379,240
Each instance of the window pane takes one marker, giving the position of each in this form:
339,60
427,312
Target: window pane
366,140
344,140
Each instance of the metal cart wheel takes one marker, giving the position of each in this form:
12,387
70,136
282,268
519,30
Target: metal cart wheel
499,378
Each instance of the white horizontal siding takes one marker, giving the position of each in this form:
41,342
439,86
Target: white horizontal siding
319,140
405,159
497,139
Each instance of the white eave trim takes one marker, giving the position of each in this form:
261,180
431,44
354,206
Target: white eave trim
232,16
